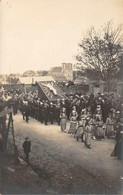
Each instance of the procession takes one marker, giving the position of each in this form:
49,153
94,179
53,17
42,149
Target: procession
89,117
61,97
86,122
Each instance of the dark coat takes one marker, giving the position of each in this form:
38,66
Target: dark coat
27,146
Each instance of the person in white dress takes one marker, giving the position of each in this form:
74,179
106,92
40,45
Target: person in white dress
63,118
73,123
109,126
100,131
88,135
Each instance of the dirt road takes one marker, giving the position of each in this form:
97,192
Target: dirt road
67,166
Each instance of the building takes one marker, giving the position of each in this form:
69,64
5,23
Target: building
67,71
29,82
33,80
57,74
46,86
62,73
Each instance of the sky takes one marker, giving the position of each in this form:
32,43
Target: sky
40,34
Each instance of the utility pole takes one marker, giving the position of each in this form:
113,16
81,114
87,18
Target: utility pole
121,72
121,76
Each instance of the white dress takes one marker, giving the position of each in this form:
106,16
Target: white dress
73,125
63,121
109,127
88,136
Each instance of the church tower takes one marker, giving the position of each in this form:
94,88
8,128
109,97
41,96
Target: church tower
67,71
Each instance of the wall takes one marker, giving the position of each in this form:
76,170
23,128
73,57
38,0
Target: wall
102,87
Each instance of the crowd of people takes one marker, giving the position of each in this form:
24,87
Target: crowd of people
93,118
89,117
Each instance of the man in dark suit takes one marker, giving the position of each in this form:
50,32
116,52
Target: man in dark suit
46,112
51,112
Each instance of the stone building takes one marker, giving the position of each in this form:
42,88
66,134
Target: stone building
62,73
67,70
57,74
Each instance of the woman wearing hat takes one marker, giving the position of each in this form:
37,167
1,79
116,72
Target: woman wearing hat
73,122
93,125
63,118
98,112
88,134
118,149
109,126
100,132
80,130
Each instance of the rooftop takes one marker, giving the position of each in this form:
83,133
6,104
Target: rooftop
33,80
61,78
56,69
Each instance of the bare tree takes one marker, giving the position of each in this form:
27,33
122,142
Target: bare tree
100,51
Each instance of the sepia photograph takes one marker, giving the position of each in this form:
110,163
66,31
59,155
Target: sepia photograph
61,97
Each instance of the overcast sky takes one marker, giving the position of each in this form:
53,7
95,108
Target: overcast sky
40,34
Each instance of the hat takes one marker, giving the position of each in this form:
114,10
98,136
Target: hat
87,118
76,96
26,138
98,106
73,111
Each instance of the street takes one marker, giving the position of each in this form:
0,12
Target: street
65,165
